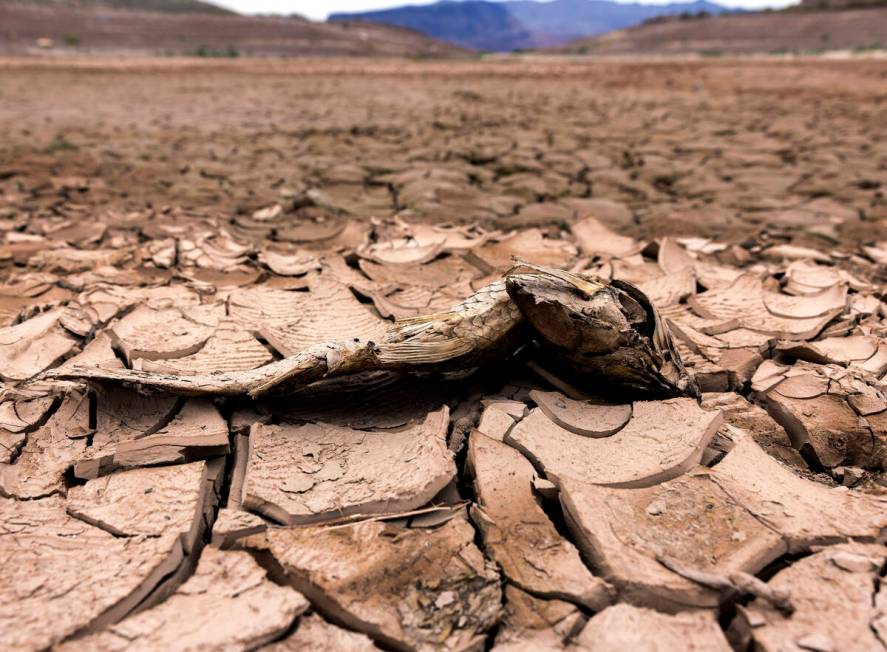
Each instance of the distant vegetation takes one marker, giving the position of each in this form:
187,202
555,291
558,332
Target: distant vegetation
684,15
229,53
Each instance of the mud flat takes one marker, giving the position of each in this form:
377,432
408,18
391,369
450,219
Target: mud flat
174,228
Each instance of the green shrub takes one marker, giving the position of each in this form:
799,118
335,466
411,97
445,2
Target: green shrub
202,51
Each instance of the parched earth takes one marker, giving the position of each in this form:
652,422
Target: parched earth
184,218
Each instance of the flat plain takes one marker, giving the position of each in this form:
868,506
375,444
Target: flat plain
168,220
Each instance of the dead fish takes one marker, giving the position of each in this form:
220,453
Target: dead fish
605,332
601,333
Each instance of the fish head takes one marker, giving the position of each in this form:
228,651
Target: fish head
606,331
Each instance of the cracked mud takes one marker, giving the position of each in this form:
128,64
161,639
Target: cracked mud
171,479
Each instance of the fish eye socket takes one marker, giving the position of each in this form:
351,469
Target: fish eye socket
578,292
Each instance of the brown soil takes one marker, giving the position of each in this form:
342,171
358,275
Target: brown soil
199,225
689,148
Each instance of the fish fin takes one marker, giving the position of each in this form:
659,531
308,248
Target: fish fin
424,319
587,286
423,352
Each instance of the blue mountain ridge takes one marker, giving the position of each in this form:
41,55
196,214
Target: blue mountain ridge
521,24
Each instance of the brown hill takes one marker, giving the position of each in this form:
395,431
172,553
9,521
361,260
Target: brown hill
174,6
88,27
838,4
771,31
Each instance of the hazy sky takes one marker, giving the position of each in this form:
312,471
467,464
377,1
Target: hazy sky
320,9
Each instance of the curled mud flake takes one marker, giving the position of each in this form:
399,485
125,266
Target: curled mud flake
98,353
23,415
803,387
34,345
530,245
662,440
158,335
854,350
827,301
328,312
122,414
673,257
805,513
670,289
585,418
722,354
514,407
445,273
595,239
68,260
404,251
213,250
297,263
866,405
311,233
745,300
854,561
794,252
768,375
877,364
